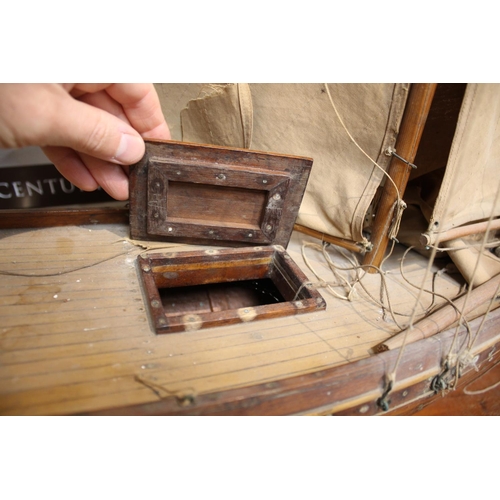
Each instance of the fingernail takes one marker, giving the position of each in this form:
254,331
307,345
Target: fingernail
130,150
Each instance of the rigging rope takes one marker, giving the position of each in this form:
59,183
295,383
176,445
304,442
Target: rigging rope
462,358
399,205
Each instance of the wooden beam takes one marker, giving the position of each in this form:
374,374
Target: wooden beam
49,217
447,316
462,231
412,126
341,242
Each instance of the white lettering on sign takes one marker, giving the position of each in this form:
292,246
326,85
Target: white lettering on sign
22,189
31,187
66,189
5,194
18,189
51,182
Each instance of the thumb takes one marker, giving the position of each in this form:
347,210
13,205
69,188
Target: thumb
94,132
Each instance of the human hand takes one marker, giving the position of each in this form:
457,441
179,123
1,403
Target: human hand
91,132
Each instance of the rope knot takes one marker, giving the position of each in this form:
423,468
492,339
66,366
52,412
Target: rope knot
399,208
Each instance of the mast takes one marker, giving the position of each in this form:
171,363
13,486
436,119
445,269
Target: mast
412,127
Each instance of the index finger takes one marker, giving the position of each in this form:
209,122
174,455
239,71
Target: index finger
141,104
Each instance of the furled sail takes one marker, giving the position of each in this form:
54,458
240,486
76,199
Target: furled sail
469,189
472,174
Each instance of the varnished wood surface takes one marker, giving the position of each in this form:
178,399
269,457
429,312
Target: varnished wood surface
478,393
75,336
51,217
349,245
412,127
197,193
470,305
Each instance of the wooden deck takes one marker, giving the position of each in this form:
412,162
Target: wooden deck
75,335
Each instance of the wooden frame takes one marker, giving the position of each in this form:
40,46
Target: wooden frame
205,194
188,269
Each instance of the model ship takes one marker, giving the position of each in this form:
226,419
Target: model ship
298,249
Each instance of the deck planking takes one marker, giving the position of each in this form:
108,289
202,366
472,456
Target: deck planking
75,335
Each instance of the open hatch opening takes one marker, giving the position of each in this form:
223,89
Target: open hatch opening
189,291
219,297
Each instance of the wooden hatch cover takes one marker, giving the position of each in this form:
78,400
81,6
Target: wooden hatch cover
220,196
215,195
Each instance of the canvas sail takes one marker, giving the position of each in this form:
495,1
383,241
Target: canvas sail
468,192
299,119
472,173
